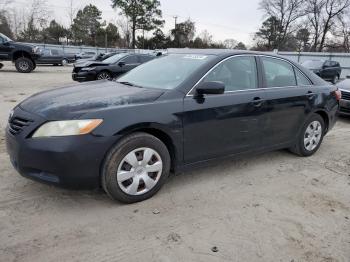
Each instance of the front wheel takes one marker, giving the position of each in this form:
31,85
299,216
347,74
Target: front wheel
136,168
24,65
310,137
104,75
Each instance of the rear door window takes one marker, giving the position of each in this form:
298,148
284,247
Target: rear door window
131,60
278,73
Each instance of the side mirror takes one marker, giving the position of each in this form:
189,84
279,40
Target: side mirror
210,88
121,64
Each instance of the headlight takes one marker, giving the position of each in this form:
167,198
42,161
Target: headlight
36,50
67,128
88,68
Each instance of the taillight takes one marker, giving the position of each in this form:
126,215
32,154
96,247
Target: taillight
337,94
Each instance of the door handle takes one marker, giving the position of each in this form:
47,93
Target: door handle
257,102
310,95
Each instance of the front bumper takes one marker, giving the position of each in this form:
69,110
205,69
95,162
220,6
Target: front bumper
71,162
84,76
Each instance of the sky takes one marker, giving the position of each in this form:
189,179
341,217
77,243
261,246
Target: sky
225,19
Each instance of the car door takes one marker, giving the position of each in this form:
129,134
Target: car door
56,56
289,96
217,125
129,63
5,49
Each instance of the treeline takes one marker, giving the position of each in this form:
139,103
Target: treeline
305,25
135,19
289,25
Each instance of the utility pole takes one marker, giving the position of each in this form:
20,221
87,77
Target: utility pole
176,17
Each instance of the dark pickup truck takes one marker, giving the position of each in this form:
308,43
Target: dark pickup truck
23,55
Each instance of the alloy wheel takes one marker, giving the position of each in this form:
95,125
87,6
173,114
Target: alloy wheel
103,75
139,171
313,135
24,66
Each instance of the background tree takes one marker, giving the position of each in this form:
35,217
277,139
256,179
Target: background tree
4,25
142,14
230,43
283,15
53,33
86,25
303,38
268,36
183,34
240,46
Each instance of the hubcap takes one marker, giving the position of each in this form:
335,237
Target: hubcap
312,135
139,171
103,76
23,65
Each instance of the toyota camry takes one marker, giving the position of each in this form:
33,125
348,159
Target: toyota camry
173,113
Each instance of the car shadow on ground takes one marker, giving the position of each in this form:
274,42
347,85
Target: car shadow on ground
71,199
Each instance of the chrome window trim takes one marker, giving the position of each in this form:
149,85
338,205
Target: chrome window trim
263,88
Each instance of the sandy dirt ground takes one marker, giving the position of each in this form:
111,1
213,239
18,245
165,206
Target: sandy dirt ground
272,207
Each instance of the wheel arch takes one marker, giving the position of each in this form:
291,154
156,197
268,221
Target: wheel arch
325,118
21,53
158,132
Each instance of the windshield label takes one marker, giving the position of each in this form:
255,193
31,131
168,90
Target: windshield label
195,57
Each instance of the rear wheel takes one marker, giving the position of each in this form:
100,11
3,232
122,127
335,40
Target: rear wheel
24,65
311,136
136,168
104,75
335,79
64,62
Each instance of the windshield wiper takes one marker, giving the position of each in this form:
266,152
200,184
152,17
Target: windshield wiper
129,84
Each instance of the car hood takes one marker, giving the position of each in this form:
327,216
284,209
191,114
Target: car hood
73,101
22,46
90,64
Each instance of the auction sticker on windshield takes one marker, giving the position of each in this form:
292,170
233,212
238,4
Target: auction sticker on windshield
196,57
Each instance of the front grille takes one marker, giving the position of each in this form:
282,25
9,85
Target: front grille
345,95
18,124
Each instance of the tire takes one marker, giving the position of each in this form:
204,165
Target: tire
131,183
103,75
309,148
335,79
1,65
64,62
24,65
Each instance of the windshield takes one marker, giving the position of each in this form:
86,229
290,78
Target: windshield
166,72
313,64
115,58
5,38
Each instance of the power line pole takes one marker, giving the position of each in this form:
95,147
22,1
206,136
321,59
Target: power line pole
175,30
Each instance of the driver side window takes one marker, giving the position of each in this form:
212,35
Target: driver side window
237,73
1,40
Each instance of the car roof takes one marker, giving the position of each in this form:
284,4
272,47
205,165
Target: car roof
220,52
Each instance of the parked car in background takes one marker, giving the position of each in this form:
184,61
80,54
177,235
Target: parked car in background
172,113
328,70
84,55
109,68
344,87
55,57
23,55
99,57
